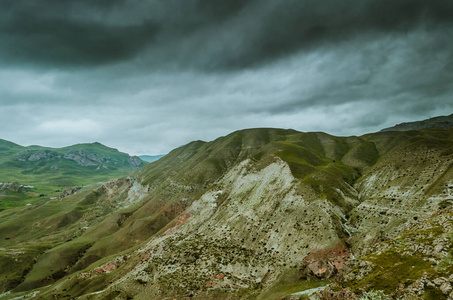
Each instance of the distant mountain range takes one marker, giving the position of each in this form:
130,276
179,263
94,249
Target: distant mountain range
442,122
49,169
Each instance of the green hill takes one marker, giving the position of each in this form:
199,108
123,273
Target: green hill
50,170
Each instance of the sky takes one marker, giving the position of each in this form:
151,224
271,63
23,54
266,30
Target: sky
146,76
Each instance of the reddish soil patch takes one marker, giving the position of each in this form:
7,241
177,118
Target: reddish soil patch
326,263
181,220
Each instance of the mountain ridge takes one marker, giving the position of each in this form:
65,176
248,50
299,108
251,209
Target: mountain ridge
273,198
441,122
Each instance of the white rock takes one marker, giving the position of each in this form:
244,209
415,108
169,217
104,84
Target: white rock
445,288
439,281
438,248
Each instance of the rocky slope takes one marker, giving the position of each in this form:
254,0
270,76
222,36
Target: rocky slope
257,214
416,263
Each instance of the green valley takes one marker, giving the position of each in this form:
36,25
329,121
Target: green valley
45,172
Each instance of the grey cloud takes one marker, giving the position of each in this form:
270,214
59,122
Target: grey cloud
382,68
74,33
291,26
148,76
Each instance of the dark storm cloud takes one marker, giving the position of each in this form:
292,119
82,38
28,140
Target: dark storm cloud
289,26
197,33
417,65
38,35
98,32
146,76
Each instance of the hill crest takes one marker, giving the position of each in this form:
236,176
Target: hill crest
440,122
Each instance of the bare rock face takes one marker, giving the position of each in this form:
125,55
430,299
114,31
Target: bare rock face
91,159
69,191
42,155
84,158
322,269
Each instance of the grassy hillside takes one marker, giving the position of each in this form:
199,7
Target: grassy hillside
51,170
232,218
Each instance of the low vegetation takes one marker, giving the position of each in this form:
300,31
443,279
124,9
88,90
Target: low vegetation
257,214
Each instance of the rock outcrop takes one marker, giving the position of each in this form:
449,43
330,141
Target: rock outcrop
14,187
43,155
69,191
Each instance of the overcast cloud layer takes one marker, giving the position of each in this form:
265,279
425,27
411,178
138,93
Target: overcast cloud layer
146,76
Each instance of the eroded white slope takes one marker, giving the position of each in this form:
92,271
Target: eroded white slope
242,233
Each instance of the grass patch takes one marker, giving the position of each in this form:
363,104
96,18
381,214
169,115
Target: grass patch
52,264
288,283
16,263
433,294
391,269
